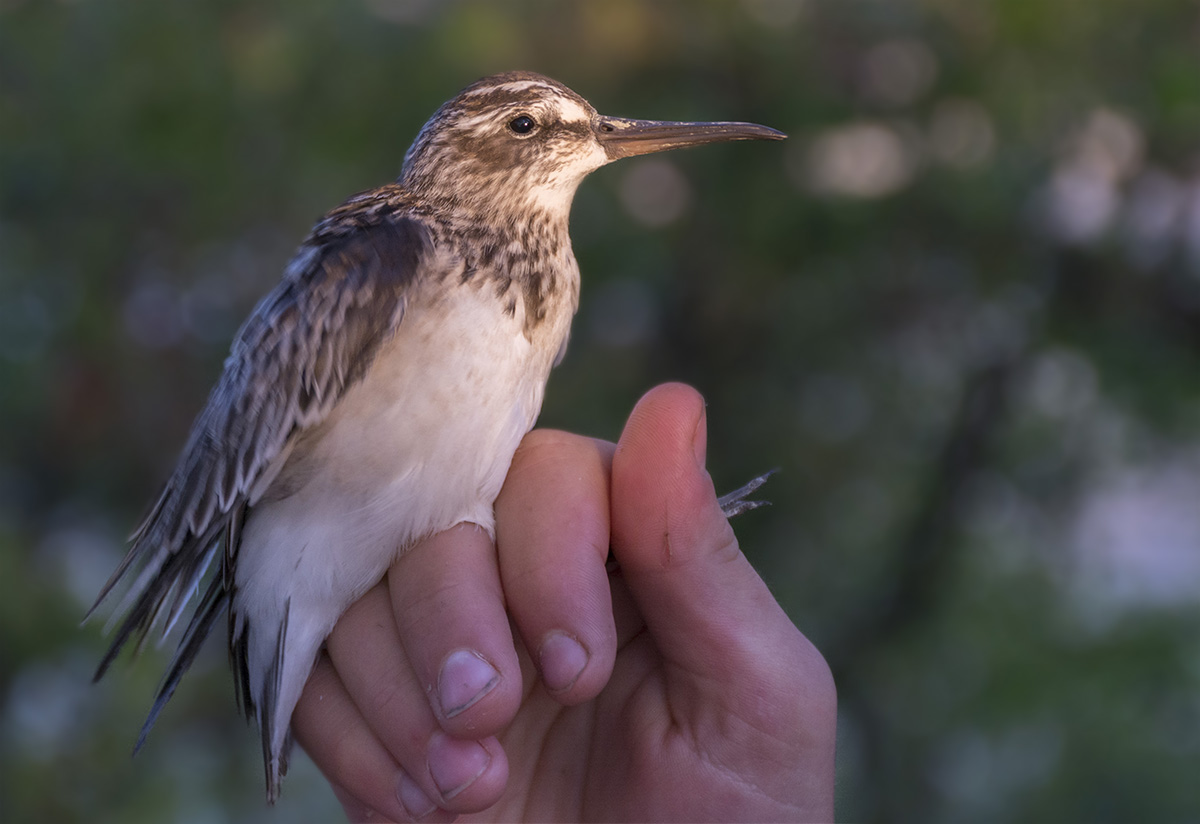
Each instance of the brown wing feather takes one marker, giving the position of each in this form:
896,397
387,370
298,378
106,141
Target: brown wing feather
306,343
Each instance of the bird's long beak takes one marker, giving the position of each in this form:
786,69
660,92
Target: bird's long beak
622,137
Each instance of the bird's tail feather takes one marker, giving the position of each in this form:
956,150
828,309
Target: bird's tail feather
215,599
275,752
147,599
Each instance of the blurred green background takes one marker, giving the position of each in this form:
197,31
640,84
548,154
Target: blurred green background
960,308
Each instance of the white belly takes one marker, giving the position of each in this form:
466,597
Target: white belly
422,443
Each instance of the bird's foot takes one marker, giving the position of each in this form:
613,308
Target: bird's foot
735,502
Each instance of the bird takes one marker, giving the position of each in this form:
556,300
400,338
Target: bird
377,394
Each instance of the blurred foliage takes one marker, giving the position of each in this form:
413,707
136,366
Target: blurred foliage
960,308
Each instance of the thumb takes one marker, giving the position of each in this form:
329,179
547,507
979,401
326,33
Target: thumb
705,606
740,680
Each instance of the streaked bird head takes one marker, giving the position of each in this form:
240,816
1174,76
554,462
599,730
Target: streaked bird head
519,143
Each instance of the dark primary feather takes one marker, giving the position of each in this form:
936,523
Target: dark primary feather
306,343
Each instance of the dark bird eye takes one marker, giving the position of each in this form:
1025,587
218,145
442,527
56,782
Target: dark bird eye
522,124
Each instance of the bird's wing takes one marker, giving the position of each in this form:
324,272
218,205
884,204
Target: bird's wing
306,343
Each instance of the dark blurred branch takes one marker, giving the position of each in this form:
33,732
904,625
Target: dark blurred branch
1077,291
918,578
921,565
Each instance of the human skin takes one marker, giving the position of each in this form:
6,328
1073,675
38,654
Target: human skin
536,679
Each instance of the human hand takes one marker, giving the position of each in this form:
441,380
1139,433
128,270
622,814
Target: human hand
672,687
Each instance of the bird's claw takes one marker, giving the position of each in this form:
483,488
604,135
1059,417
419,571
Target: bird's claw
735,502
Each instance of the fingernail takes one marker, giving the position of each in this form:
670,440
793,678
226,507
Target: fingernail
465,678
562,660
455,764
700,437
415,802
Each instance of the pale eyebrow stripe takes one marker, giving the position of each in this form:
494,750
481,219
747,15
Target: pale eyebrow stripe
573,112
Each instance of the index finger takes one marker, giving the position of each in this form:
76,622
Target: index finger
552,539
